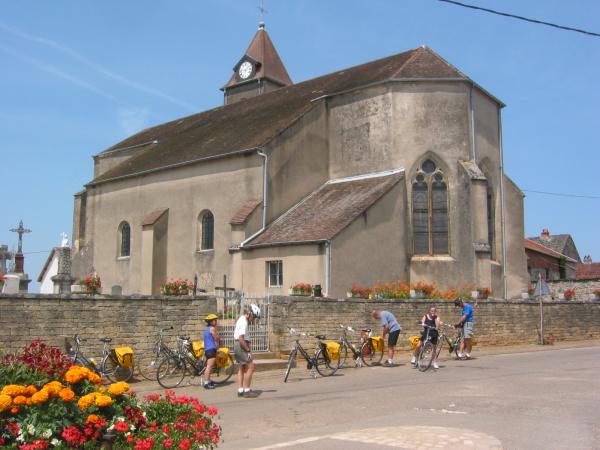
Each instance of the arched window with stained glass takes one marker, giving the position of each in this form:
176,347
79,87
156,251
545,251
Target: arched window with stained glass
430,210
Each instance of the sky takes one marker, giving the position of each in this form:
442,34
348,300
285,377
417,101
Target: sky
77,76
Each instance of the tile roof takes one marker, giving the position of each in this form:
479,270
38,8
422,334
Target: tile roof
151,218
252,123
535,246
588,271
243,214
556,242
328,210
262,50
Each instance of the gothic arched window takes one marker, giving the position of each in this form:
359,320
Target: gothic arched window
124,239
207,226
430,210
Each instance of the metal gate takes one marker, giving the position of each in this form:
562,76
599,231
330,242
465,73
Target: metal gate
231,307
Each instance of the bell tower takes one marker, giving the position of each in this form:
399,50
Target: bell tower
260,70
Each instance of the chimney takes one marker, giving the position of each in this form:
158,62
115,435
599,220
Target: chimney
545,234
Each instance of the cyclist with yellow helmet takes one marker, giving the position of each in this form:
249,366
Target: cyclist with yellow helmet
211,344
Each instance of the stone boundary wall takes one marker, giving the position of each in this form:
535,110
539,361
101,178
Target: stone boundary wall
584,289
132,321
497,322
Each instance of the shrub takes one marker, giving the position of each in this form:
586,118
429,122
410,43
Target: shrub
569,293
177,287
302,289
37,363
92,284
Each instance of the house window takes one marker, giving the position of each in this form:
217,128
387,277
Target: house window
491,222
275,273
207,226
124,239
430,210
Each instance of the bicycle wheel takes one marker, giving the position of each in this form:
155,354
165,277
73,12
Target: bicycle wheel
170,372
454,345
289,365
114,372
147,362
369,355
343,355
221,374
325,366
425,356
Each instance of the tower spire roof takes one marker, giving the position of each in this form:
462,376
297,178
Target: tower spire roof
269,64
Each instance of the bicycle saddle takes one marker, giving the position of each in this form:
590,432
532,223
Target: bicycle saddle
320,336
366,330
106,339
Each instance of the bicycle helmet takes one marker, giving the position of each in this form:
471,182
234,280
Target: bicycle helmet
211,317
255,310
458,302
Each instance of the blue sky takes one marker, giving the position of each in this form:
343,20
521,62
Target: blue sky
78,76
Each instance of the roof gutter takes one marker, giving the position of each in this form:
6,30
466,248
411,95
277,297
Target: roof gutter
265,157
171,166
283,243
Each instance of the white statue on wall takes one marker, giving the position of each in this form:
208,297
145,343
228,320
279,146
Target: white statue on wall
64,239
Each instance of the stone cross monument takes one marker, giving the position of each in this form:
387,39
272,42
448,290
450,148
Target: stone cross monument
5,256
20,259
63,279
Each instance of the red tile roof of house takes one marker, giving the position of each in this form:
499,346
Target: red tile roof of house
588,271
531,245
328,210
243,214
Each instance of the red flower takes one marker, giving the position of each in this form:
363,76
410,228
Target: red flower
212,411
121,426
185,444
168,443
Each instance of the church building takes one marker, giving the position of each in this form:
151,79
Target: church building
388,170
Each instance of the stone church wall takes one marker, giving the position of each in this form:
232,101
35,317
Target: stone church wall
127,320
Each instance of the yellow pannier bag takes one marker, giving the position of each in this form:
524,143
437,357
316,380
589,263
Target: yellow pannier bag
223,357
333,350
124,356
377,343
414,340
198,348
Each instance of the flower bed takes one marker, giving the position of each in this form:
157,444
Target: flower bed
400,290
301,289
91,284
177,287
74,410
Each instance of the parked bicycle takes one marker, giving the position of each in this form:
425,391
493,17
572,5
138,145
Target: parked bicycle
321,362
366,353
371,350
428,349
173,368
147,361
110,368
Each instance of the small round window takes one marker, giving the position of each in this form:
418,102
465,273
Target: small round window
428,166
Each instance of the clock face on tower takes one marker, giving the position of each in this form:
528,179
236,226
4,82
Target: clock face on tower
245,70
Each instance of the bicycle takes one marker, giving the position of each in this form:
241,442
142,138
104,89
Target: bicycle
427,350
147,361
365,351
426,353
320,361
454,343
109,364
371,354
173,368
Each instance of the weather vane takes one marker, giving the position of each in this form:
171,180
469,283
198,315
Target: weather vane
21,231
263,10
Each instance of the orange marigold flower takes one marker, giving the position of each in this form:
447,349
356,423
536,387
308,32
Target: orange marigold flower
87,400
66,394
103,400
31,389
14,410
119,388
14,390
29,402
40,397
94,378
5,402
53,388
92,418
76,373
20,400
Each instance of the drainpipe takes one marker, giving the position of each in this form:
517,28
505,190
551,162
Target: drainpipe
328,268
262,154
503,215
471,113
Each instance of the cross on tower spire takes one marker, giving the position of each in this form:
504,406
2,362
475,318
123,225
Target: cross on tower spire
263,10
21,231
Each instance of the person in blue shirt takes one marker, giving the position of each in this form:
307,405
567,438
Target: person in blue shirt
466,323
211,344
391,327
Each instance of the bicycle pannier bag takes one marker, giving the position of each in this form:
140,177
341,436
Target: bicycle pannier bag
333,350
124,356
414,340
198,348
377,343
223,357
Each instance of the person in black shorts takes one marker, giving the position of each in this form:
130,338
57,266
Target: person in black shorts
391,327
431,319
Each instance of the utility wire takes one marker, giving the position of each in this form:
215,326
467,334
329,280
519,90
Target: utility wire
513,16
558,194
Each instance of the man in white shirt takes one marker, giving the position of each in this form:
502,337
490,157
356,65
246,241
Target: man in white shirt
242,353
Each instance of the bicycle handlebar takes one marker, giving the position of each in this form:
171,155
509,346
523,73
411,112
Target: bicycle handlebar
293,331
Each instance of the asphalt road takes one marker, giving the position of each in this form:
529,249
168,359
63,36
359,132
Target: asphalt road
528,400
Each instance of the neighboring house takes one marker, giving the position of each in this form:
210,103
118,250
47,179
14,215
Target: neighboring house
561,243
588,270
48,271
548,263
387,170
